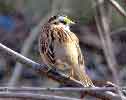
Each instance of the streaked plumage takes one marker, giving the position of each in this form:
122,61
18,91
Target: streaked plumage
59,47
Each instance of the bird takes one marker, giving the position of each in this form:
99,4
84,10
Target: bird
59,48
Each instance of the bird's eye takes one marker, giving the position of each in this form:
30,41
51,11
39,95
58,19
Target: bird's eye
52,18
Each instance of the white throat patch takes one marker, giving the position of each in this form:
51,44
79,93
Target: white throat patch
66,27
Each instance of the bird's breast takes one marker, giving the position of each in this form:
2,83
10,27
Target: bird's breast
66,52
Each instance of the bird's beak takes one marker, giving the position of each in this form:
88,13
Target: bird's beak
72,22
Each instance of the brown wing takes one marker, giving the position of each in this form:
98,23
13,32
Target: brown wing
46,41
48,35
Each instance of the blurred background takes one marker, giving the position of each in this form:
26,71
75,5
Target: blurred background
19,24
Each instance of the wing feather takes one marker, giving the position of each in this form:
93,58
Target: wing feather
50,34
46,42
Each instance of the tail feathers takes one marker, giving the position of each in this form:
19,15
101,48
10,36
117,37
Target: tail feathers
83,77
86,81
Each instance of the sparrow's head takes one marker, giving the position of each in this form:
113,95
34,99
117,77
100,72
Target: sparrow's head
60,19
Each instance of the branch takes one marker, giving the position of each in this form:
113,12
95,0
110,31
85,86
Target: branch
117,7
65,89
33,96
68,89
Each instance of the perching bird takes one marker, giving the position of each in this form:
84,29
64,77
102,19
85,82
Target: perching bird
59,47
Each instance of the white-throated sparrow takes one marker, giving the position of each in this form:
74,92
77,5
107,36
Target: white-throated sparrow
59,47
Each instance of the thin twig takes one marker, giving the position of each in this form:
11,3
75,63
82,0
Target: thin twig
33,96
92,90
116,5
68,89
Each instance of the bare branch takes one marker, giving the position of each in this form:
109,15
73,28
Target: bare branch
68,89
117,7
33,96
92,90
114,4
